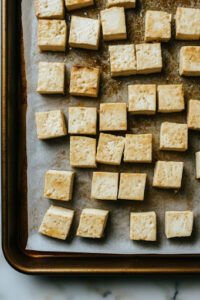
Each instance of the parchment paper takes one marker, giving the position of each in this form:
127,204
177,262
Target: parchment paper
54,153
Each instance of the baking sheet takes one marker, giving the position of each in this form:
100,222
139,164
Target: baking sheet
54,154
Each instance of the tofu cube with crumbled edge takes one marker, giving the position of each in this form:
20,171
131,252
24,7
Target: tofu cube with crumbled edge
193,118
50,124
49,9
92,223
168,174
143,226
197,157
190,61
138,148
187,23
110,149
142,99
122,60
132,186
51,78
57,222
104,186
82,152
113,116
82,120
113,23
76,4
178,223
121,3
84,33
149,58
170,98
59,185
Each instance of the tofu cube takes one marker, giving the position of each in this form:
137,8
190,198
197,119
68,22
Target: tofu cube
170,98
157,26
142,99
178,223
104,186
59,185
187,23
82,152
122,60
132,186
82,120
84,33
193,118
113,117
190,61
50,124
84,81
51,78
76,4
57,222
121,3
49,9
113,23
174,136
138,148
149,58
92,223
143,226
110,149
168,174
197,156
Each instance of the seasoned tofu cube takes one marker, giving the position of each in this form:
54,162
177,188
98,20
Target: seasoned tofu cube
187,23
113,23
104,185
178,223
113,117
149,58
110,149
84,81
82,152
59,185
138,148
51,78
174,136
57,222
157,26
49,9
142,99
132,186
168,174
75,4
82,120
193,118
170,98
190,61
143,226
50,124
121,3
84,33
92,223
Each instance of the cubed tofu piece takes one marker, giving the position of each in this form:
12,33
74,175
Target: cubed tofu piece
84,33
149,58
82,120
59,185
76,4
113,23
142,99
122,60
51,78
170,98
132,186
187,23
110,149
82,152
92,223
143,226
50,124
197,156
49,9
173,136
52,35
190,61
157,26
178,223
168,174
121,3
104,185
57,222
193,118
138,148
113,117
84,81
